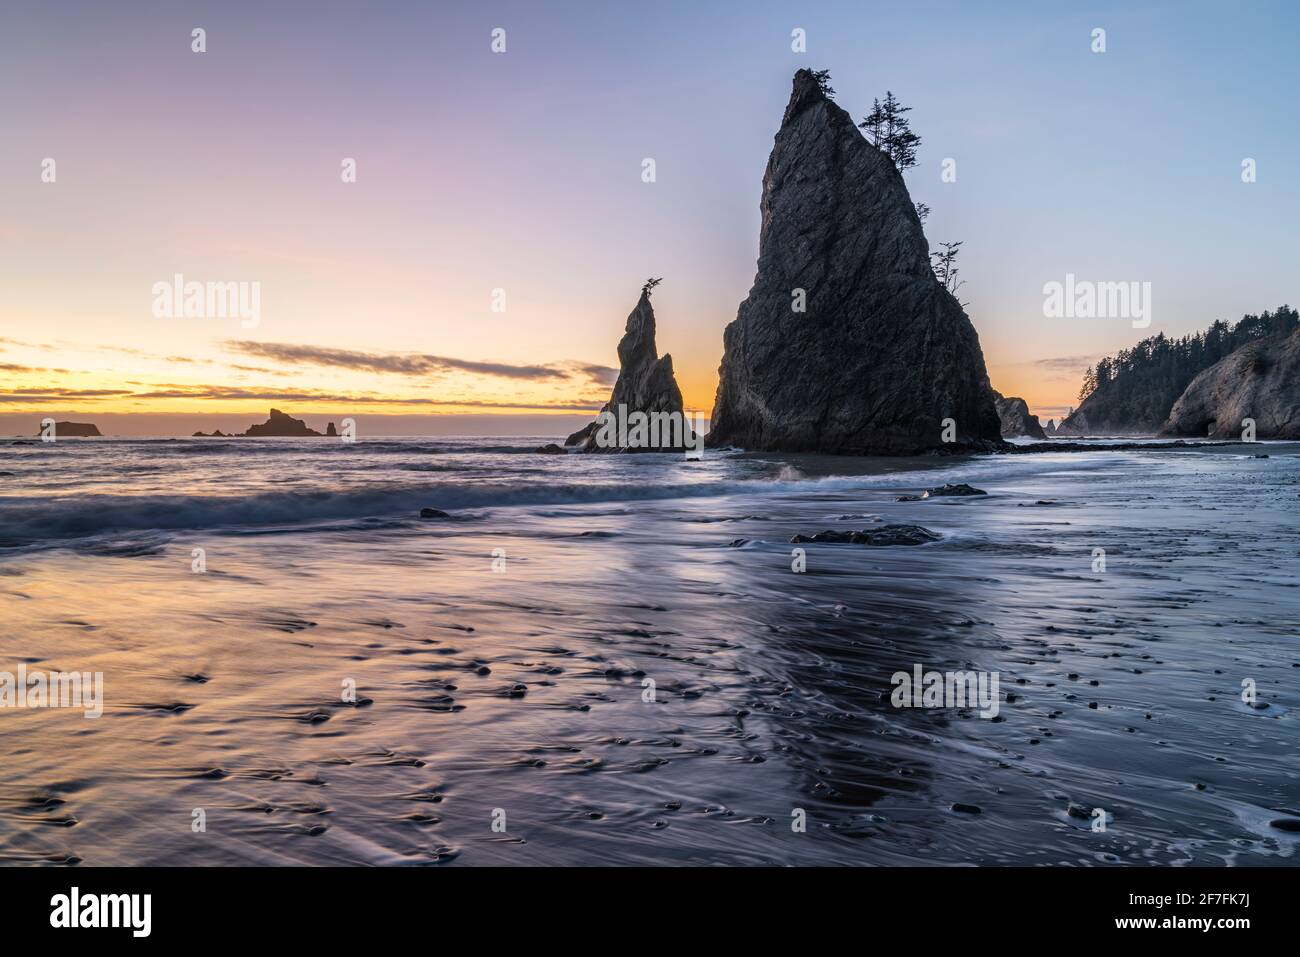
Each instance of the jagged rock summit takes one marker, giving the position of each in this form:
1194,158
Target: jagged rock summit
1259,381
645,384
882,352
1014,417
281,426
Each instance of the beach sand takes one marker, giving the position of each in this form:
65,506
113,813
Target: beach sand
518,696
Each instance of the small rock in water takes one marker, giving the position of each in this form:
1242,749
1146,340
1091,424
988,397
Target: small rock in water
550,448
944,491
433,513
1290,824
884,535
960,808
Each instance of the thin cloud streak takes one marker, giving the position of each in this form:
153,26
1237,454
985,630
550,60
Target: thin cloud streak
394,363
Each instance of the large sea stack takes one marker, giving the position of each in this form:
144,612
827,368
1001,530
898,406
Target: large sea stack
1259,381
882,352
645,384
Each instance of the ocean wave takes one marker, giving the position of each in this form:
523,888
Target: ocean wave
29,521
34,520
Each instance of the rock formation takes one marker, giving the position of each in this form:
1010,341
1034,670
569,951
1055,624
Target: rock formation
75,430
216,434
330,431
1050,427
1014,417
847,342
645,384
944,491
1260,381
281,426
884,535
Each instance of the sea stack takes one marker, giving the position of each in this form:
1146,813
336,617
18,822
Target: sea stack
280,425
645,384
1259,381
1014,418
79,430
881,353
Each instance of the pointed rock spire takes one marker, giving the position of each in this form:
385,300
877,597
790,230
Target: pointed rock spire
847,342
645,384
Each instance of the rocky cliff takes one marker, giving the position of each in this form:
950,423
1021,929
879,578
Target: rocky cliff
1134,391
645,384
1014,417
1260,381
847,342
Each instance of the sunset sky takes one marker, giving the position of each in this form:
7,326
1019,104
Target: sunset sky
521,171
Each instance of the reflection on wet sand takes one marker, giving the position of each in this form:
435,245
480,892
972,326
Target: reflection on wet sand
521,697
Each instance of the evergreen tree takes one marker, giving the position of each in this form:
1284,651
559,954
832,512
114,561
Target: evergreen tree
890,131
945,266
823,78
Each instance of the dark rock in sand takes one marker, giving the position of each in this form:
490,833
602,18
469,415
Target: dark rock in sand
944,491
64,430
551,448
1014,417
645,384
433,513
280,425
1260,381
882,352
884,535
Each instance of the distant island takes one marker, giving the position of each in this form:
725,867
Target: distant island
76,430
279,425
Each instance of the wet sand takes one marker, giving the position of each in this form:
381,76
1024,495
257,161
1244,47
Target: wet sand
522,690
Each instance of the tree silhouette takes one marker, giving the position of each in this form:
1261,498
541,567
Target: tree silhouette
922,211
891,132
1089,383
823,78
945,267
649,286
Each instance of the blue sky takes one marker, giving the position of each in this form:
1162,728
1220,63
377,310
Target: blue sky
522,171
